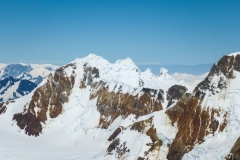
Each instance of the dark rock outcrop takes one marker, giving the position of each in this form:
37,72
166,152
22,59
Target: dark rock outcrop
236,64
147,127
3,108
115,133
235,151
193,121
51,96
29,123
175,93
115,104
111,104
225,66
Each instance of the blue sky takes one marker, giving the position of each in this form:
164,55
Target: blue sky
150,32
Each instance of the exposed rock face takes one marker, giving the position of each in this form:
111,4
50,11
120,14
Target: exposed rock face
226,65
146,127
236,63
115,104
131,112
29,123
3,108
120,148
112,104
115,133
235,151
113,145
175,93
194,121
152,93
49,97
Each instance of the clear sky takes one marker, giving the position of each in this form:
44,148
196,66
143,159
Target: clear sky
149,32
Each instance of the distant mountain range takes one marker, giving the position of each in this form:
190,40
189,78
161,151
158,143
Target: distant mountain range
195,69
93,109
17,80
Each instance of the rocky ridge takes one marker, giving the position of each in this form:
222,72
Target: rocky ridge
145,117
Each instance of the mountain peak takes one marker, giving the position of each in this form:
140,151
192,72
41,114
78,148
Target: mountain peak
234,54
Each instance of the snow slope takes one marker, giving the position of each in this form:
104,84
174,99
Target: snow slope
77,132
126,72
226,99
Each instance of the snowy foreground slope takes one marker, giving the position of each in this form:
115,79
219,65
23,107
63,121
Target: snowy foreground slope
92,109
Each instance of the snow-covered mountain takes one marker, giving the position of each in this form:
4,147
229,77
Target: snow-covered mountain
92,109
32,72
17,80
11,88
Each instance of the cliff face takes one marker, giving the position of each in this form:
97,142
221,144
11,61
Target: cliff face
175,93
113,98
194,124
196,116
114,104
235,151
3,108
141,117
47,101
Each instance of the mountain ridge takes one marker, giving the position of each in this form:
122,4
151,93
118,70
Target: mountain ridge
126,113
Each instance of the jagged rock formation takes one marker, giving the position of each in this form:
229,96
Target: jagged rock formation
114,104
195,121
175,93
147,127
113,98
3,108
194,124
49,97
133,114
235,151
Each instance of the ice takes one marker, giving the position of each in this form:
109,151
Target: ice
75,133
234,54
